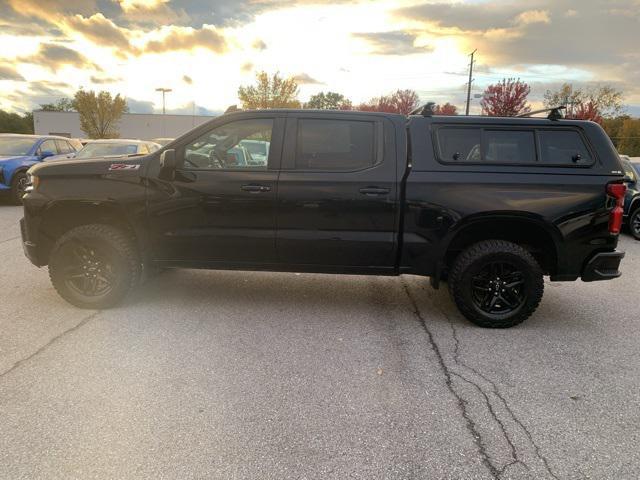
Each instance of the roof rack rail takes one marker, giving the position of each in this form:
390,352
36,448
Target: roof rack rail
555,113
425,110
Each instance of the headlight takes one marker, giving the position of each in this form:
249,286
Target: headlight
34,181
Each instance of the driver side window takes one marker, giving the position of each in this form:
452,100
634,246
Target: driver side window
240,145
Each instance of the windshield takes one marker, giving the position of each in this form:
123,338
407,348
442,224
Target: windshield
15,145
92,150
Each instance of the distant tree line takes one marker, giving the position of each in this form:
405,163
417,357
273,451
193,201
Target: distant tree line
274,91
100,112
508,97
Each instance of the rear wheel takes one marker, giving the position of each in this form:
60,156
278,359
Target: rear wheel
94,266
496,284
18,187
634,224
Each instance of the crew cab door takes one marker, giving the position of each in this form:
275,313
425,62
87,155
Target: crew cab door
220,206
337,192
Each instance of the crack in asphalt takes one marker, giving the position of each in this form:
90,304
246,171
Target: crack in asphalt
472,426
9,239
462,403
496,392
20,362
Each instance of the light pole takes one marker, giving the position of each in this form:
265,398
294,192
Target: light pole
164,92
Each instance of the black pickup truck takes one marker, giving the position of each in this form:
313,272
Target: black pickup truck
489,204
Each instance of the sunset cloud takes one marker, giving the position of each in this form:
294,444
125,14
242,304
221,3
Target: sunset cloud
306,79
392,43
360,48
8,72
187,38
100,30
54,57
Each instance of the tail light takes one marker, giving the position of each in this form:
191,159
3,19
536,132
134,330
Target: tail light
617,191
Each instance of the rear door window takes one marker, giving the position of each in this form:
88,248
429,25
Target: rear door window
335,145
49,146
563,147
63,146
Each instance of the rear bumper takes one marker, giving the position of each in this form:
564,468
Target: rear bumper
602,266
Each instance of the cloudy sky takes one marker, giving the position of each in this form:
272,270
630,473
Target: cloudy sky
205,49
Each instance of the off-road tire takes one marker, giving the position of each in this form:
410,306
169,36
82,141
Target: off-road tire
16,189
634,222
109,242
471,260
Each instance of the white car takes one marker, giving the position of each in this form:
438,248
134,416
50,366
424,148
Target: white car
116,147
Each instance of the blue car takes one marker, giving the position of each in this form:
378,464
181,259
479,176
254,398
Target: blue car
19,152
632,198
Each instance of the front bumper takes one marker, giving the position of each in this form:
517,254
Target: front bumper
603,266
28,245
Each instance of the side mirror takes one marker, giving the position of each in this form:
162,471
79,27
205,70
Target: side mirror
46,154
168,164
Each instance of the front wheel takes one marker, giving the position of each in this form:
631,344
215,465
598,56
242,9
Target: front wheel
496,284
94,266
634,224
19,184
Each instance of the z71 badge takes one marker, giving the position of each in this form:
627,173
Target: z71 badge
124,166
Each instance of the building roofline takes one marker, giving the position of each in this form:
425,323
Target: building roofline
129,113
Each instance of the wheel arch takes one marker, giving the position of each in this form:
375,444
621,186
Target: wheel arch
529,231
16,167
61,216
634,205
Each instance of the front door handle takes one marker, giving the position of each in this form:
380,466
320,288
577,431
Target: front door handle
373,191
255,188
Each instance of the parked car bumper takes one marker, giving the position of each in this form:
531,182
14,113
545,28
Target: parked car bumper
603,266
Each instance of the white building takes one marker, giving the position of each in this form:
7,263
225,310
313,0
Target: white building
141,126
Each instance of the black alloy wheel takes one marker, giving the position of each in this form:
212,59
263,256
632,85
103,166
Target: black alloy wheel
498,288
19,185
89,271
634,224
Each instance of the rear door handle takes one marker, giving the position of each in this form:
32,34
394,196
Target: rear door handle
372,191
255,188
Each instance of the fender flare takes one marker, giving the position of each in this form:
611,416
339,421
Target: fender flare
477,219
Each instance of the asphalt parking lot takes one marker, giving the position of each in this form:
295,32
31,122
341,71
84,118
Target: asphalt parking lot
234,375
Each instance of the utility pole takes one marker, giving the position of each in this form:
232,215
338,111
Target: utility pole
164,92
470,80
164,124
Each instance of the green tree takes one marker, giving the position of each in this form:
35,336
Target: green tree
269,92
613,127
629,138
606,100
11,122
328,101
99,113
62,105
